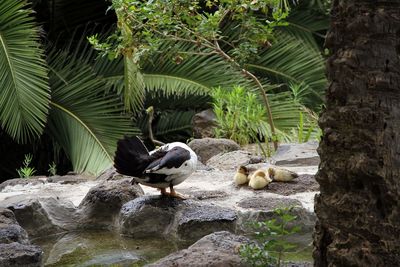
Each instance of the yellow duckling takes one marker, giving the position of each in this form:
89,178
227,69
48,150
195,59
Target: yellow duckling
241,176
259,179
281,175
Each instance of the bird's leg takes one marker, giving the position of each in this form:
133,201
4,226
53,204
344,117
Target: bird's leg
164,192
173,193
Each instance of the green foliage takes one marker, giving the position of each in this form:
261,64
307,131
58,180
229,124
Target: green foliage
270,248
85,120
143,25
26,171
240,116
24,94
292,61
52,169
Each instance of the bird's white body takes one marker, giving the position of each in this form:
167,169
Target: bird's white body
174,175
259,179
161,168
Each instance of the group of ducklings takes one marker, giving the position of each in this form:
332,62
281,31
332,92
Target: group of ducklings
262,177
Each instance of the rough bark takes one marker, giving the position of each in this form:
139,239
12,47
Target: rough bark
359,206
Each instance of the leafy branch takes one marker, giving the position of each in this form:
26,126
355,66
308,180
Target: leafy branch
143,26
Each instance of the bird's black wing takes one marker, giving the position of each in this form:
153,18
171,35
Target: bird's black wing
131,157
172,159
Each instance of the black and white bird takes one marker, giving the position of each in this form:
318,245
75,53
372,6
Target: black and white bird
164,167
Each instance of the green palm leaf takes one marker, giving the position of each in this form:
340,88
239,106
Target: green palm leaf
291,60
84,119
308,26
134,85
195,75
24,94
173,122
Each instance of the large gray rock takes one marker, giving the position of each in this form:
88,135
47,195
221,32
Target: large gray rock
208,147
204,123
231,160
198,220
10,230
182,220
22,182
16,254
15,249
42,215
304,154
149,216
215,250
100,207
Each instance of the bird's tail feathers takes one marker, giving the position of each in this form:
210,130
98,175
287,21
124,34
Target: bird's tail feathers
131,157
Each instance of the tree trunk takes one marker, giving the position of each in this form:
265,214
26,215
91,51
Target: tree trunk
358,209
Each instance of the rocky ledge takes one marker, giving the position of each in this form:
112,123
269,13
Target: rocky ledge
56,205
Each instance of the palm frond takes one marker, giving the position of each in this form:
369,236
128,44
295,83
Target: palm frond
24,94
308,26
134,85
193,74
160,101
84,120
291,60
174,122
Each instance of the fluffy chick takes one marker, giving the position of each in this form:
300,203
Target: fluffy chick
259,179
241,176
281,175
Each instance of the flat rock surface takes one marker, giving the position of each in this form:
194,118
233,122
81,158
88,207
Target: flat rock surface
231,160
208,147
304,154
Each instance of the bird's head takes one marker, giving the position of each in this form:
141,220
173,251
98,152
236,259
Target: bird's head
179,145
243,170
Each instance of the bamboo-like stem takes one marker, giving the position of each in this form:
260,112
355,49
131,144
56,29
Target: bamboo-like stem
150,113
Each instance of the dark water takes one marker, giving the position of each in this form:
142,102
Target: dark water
102,248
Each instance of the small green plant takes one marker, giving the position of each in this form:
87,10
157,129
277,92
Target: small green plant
304,134
52,169
271,246
240,116
26,171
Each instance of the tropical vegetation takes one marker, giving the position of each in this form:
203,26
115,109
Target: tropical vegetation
66,104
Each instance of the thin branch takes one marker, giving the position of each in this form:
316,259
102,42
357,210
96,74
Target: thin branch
150,113
199,53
